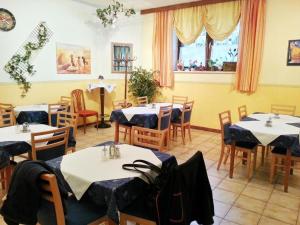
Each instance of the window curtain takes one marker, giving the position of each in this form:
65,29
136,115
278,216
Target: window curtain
188,23
218,19
162,48
221,19
252,26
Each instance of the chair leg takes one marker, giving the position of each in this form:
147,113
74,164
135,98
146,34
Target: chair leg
97,121
249,166
263,149
221,157
254,160
272,168
189,130
287,173
130,139
227,155
125,135
182,135
84,124
122,219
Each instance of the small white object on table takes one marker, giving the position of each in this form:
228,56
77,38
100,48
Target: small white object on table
14,133
148,109
31,108
82,168
108,87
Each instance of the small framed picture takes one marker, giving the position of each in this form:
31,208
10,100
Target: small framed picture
293,57
120,52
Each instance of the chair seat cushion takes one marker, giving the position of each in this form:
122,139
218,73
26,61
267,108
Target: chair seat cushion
77,212
282,151
86,113
139,209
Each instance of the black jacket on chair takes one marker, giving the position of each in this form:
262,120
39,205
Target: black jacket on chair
24,196
187,195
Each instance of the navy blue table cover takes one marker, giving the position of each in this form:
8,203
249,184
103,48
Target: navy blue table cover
142,120
115,194
237,133
40,117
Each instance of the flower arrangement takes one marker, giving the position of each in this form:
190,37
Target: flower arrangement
20,64
109,15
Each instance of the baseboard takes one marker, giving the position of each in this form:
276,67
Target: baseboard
205,129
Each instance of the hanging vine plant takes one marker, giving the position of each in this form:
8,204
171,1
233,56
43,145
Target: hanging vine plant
110,14
19,64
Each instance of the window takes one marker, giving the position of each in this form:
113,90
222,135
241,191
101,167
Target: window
208,54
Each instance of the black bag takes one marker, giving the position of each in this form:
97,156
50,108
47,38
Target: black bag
155,184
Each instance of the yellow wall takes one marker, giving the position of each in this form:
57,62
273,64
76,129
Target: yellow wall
212,93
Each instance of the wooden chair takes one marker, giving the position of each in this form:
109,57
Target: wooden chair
76,212
283,158
51,144
122,104
53,109
242,112
184,121
179,99
283,109
68,119
142,100
65,99
246,148
79,107
6,119
152,138
8,108
6,168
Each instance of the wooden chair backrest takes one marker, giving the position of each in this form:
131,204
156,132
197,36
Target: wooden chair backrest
164,114
49,139
50,192
53,109
148,138
187,112
142,100
283,109
78,100
120,104
6,119
8,108
225,118
179,99
242,112
68,119
65,99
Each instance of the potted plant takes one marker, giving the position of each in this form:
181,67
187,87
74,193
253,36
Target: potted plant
231,65
142,83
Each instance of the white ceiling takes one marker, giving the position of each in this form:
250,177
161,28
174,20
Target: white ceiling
136,4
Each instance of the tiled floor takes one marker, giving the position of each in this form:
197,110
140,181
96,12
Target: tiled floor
237,201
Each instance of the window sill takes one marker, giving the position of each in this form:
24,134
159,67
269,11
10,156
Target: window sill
204,72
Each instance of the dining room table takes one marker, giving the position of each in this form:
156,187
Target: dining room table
92,175
37,113
265,129
15,141
142,115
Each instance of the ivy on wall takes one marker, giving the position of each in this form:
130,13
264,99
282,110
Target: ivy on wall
19,67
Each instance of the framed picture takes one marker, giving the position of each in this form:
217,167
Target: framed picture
120,52
293,57
73,59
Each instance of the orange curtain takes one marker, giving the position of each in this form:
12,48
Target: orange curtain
162,48
252,26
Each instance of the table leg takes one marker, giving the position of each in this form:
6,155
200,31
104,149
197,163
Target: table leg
117,127
102,123
287,169
232,156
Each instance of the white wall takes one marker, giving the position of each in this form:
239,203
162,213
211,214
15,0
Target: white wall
72,23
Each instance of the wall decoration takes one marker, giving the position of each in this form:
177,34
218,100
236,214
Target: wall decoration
73,59
293,57
120,52
19,67
7,20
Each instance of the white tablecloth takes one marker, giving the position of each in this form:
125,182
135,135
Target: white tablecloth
148,109
24,108
12,133
108,87
82,168
268,134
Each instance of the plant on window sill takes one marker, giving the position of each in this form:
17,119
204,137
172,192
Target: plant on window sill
16,64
